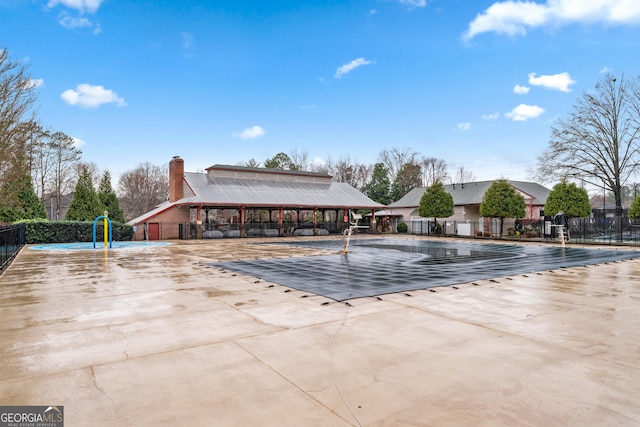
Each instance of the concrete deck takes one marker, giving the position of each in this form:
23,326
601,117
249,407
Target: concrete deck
155,336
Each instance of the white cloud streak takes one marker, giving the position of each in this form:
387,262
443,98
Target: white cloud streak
250,133
559,82
524,112
89,96
464,127
490,116
71,22
413,3
82,6
521,90
515,17
349,67
77,142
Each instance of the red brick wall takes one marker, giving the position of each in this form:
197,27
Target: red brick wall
169,221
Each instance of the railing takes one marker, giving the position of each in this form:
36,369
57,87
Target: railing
12,239
592,230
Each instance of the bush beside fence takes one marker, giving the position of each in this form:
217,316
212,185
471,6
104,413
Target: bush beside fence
38,231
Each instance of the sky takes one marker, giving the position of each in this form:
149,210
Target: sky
477,83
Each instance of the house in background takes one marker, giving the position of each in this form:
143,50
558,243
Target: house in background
55,212
237,201
467,198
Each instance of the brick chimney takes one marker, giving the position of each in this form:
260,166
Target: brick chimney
176,178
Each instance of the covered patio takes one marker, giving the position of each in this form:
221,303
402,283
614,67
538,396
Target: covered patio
236,201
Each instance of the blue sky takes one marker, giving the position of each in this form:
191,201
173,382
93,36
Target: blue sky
476,83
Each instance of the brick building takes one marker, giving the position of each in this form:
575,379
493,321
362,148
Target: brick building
236,201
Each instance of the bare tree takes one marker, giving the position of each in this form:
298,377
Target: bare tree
64,170
344,170
17,97
462,176
143,188
599,141
299,159
252,163
433,170
395,159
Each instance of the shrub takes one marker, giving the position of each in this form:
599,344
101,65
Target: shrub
532,233
43,231
402,228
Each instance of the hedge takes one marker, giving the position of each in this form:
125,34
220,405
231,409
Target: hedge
43,231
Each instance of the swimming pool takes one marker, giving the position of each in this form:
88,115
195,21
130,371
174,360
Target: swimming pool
381,266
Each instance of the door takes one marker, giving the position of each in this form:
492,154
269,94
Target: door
154,230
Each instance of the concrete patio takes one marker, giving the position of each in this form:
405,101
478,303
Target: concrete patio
157,336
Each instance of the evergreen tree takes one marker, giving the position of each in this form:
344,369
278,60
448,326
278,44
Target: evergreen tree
30,205
109,199
436,203
568,198
378,188
86,205
280,161
408,178
502,201
25,204
634,210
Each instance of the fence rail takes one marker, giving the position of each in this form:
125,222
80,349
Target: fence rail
12,239
602,230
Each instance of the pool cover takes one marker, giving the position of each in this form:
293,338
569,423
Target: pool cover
383,266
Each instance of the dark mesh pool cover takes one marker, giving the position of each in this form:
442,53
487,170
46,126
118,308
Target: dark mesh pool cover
383,266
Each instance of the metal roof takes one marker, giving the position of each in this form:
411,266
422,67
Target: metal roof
231,192
472,193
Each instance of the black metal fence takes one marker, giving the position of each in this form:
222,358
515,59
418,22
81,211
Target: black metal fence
601,228
12,239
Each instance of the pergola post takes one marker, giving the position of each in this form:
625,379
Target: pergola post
374,225
242,215
280,227
199,222
315,222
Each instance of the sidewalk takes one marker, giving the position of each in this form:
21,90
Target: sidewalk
155,337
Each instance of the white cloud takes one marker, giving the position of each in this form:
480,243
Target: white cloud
349,67
559,82
524,112
413,3
82,6
490,116
606,70
187,40
464,126
250,133
71,22
90,96
318,162
521,90
77,142
515,17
